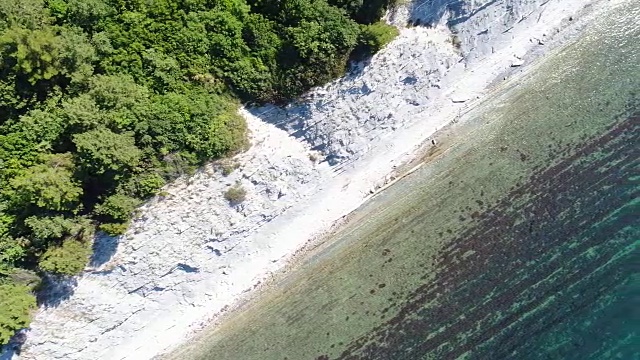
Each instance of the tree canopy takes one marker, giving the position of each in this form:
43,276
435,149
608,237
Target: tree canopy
102,102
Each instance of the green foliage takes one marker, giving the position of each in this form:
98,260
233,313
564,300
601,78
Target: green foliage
114,229
42,54
315,42
117,207
374,37
271,51
33,53
38,63
48,185
142,185
54,227
84,13
48,227
24,141
30,14
235,194
116,92
76,54
318,45
365,11
15,313
101,150
68,259
11,250
203,125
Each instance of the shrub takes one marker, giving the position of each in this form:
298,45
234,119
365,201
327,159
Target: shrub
68,259
374,37
46,228
49,185
228,167
366,11
117,208
102,150
197,125
114,229
235,194
15,313
143,185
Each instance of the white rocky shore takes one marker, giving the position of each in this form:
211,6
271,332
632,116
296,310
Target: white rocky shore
190,255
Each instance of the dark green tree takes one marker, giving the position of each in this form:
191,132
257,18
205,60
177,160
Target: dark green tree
67,259
48,185
101,150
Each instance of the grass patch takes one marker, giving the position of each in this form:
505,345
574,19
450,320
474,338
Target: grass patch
235,194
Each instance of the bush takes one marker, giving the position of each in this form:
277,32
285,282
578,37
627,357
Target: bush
235,194
197,125
365,11
49,185
102,150
143,185
228,167
56,227
15,313
68,259
374,37
116,208
114,229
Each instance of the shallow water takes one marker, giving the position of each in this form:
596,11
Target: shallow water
521,242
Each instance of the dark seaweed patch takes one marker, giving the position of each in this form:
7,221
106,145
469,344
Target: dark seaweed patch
493,289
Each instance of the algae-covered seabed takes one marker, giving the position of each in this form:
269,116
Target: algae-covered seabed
520,242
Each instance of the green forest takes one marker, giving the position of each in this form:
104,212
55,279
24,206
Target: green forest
102,102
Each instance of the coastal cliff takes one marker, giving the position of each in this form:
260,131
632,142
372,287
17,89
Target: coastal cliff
190,254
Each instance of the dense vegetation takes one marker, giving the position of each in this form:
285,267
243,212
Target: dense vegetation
104,101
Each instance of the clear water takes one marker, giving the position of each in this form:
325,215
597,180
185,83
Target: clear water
521,242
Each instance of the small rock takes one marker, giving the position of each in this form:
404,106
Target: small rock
517,62
459,98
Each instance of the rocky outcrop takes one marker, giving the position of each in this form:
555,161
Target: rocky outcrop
190,253
410,78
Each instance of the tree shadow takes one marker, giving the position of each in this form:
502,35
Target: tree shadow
55,289
13,348
104,247
428,13
294,116
51,292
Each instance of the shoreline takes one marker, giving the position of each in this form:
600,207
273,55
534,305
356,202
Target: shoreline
390,159
422,154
